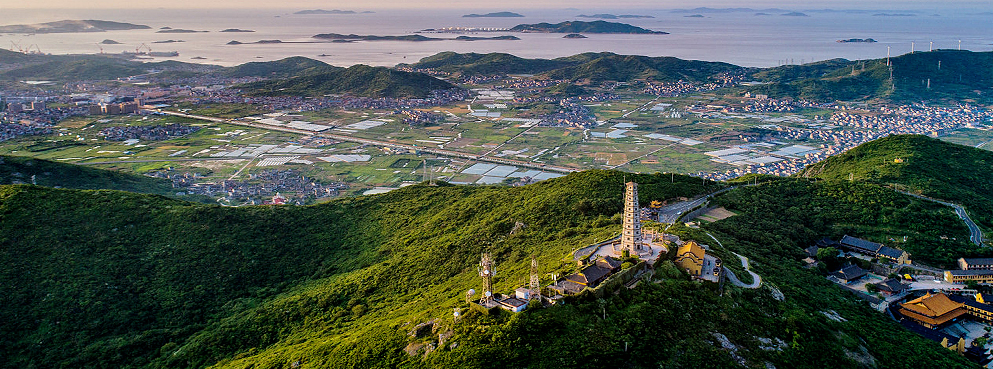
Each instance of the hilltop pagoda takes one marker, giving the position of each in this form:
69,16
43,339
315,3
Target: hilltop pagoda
631,238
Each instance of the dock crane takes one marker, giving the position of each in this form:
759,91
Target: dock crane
36,47
137,50
101,48
14,45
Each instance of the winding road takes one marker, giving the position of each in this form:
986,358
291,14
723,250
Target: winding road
975,234
756,279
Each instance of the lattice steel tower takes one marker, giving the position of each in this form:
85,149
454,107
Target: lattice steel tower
535,279
631,237
486,271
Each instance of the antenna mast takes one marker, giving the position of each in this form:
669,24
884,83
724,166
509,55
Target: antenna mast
486,271
535,279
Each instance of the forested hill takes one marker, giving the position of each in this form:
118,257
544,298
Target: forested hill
24,170
167,284
952,75
596,67
357,80
923,165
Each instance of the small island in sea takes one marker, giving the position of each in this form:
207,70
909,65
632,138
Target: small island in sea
574,35
354,37
71,26
695,16
795,14
868,40
237,30
178,30
612,16
496,38
333,12
110,42
584,27
494,15
167,41
337,37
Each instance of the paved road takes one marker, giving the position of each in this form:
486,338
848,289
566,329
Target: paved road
669,213
975,234
346,138
756,279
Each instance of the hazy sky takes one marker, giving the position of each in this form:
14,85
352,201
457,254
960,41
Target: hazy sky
503,5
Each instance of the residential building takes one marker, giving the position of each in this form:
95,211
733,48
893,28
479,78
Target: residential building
592,275
962,276
892,287
884,253
850,274
893,255
513,304
689,256
976,263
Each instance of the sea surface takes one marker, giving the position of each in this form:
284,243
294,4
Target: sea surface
744,39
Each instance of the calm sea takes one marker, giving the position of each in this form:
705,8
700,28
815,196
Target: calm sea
740,38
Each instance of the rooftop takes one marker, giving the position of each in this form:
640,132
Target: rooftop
971,272
860,243
978,261
931,305
850,272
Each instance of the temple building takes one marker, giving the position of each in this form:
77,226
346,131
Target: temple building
689,257
932,311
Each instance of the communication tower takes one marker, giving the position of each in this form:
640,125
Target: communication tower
486,271
535,280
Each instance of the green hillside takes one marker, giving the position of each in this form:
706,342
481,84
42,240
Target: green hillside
594,67
358,80
167,284
24,170
613,67
491,63
962,76
931,167
282,68
74,68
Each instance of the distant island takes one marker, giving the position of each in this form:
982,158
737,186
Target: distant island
235,42
237,30
795,14
110,42
729,10
333,11
494,15
612,16
178,30
894,15
693,16
497,38
167,41
869,40
337,37
71,26
574,35
354,37
584,27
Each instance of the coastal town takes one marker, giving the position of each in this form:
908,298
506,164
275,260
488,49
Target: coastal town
498,129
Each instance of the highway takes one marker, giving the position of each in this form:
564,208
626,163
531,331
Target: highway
441,152
975,234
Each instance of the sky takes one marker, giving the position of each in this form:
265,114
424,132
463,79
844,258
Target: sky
509,5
